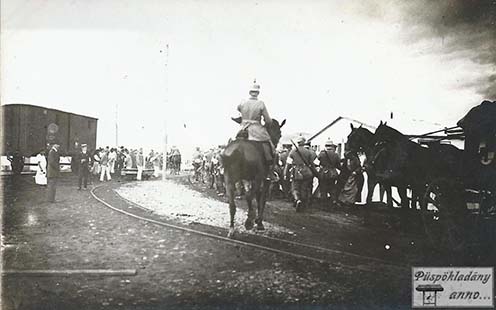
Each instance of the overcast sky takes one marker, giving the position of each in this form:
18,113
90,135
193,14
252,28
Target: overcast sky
315,60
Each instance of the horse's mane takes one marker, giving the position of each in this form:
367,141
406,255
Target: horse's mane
361,138
365,130
274,123
386,132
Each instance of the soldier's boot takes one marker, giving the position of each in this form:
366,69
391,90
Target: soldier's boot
271,176
299,205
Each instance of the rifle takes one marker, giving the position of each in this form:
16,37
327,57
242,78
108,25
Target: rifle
309,166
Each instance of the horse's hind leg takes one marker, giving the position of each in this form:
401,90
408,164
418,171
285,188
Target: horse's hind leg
371,182
389,195
261,190
249,201
232,205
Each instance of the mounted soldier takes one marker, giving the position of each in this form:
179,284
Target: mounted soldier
252,111
249,159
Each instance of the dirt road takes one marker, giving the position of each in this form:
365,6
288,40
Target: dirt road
175,270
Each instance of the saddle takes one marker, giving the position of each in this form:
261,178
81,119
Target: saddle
242,134
264,146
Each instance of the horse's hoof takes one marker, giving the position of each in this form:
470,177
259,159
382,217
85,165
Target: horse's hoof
260,226
231,233
248,225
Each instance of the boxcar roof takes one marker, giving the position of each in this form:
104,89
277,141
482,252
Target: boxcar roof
40,107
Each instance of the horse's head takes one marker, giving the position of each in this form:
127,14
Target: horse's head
389,154
384,133
360,139
274,130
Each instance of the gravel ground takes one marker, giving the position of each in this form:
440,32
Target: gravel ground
179,203
175,270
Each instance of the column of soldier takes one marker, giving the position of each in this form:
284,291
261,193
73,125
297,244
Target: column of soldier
334,180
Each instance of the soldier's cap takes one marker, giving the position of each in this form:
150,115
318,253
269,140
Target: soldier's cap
330,143
301,140
84,145
255,88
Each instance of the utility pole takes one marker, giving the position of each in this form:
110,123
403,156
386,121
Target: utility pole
164,165
116,126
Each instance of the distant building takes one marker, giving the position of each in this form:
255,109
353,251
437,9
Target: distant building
25,129
337,131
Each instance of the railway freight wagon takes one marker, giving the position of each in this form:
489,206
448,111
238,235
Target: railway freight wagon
25,129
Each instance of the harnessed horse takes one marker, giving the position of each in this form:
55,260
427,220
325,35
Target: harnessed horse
244,160
363,140
398,160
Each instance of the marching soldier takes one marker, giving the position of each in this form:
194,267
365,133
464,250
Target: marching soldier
301,159
286,183
197,163
329,162
219,171
140,164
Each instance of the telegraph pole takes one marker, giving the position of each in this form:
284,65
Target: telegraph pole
116,126
164,165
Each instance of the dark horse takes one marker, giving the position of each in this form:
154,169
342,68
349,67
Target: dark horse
244,160
363,140
398,160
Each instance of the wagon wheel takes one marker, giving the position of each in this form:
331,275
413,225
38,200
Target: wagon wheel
445,216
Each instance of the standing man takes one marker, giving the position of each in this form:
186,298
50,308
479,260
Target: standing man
353,181
119,164
41,169
197,163
84,160
16,163
105,166
112,158
140,164
286,183
301,176
53,171
128,161
329,162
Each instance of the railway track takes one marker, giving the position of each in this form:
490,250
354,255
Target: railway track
332,257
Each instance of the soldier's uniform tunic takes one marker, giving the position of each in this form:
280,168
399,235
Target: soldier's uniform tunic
252,111
302,176
329,162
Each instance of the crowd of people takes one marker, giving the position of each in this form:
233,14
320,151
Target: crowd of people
102,164
339,180
292,169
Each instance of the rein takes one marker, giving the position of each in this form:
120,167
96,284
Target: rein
383,149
